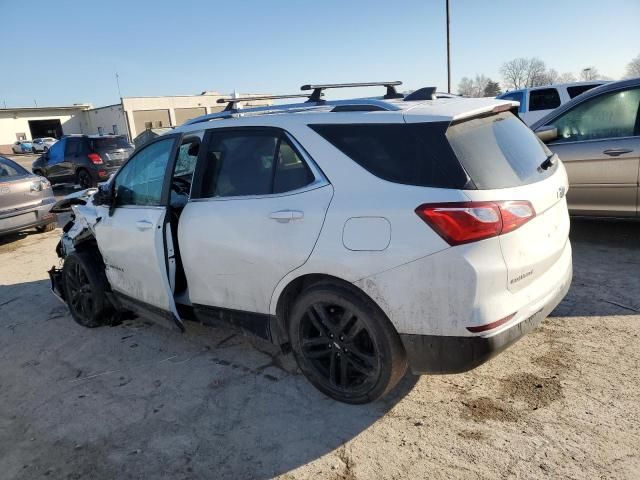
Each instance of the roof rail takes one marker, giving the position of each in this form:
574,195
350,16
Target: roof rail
232,102
317,89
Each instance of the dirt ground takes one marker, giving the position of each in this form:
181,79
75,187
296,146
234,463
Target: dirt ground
140,401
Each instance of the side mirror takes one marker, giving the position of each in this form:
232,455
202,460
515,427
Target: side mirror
104,195
547,133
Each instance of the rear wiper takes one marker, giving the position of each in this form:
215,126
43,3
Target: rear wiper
548,162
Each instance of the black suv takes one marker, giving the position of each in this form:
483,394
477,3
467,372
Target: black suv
83,159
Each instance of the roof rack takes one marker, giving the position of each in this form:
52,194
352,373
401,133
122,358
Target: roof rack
317,89
232,102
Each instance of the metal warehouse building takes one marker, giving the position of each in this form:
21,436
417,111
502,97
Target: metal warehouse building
131,117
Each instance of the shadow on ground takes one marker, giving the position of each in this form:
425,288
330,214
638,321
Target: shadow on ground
136,400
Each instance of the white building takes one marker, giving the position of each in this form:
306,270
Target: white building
32,122
131,117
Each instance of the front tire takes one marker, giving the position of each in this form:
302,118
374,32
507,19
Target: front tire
84,285
344,344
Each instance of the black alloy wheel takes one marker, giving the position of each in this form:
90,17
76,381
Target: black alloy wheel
344,344
84,179
85,285
339,347
80,295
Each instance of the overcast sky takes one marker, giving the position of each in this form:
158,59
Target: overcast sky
64,52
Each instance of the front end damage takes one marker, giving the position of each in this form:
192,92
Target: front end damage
77,233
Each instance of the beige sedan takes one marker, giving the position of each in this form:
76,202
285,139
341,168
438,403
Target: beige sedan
597,137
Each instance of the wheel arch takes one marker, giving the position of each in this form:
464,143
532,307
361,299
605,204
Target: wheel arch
285,296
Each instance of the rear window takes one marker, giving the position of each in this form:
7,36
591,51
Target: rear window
107,143
499,151
411,154
10,169
544,99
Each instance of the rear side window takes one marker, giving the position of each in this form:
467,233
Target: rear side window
544,99
499,151
411,154
578,89
241,163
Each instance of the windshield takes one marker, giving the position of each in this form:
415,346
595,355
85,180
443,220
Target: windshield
499,151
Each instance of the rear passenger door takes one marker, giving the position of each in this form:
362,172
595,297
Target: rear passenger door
257,206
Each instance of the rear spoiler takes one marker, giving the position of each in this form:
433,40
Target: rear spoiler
504,106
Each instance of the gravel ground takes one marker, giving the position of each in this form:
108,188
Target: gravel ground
139,401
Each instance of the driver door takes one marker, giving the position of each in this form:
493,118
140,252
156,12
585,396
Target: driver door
133,236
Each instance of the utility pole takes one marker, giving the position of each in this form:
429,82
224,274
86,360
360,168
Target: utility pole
118,83
448,53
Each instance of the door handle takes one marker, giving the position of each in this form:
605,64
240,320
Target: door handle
143,225
614,152
286,215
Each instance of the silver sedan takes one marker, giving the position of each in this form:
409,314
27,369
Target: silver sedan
25,199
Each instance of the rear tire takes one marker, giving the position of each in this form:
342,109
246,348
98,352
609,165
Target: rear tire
344,344
85,180
84,286
47,228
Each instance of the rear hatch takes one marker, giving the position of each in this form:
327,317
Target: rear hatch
507,162
114,150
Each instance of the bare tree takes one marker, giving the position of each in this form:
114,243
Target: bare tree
474,87
633,68
524,72
567,77
514,72
466,87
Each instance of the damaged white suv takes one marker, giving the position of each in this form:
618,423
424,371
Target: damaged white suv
365,235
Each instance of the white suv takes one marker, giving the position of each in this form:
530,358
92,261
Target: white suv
365,235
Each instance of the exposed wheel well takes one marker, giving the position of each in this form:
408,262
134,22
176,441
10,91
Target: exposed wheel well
293,289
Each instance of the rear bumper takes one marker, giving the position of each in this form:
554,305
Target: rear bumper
33,217
447,354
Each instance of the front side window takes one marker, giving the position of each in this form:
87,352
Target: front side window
610,115
544,99
240,163
141,180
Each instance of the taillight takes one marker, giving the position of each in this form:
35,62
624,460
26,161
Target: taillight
464,222
95,158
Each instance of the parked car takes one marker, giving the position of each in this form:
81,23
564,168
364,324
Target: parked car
597,135
25,200
365,235
536,102
83,159
22,146
42,144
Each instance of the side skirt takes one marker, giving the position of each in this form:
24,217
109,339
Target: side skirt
258,324
152,312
